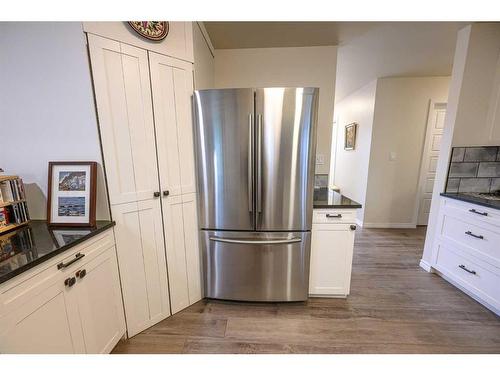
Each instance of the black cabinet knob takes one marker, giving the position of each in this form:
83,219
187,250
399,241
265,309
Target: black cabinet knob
166,193
156,194
70,281
353,227
81,273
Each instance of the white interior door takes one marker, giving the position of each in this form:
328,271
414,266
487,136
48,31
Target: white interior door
172,85
434,133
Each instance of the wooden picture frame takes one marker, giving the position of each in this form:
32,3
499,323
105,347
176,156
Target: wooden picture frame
71,193
350,136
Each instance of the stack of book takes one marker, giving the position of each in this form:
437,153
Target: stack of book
13,206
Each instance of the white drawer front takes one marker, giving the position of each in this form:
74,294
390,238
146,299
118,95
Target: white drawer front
481,242
475,278
333,216
470,211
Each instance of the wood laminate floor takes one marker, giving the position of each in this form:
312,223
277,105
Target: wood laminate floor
394,307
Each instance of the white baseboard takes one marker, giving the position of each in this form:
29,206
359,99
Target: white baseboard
425,265
390,225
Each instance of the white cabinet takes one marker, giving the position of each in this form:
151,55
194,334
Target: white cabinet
331,252
466,249
144,107
41,313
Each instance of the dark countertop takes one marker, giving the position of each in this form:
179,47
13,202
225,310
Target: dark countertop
34,243
328,198
491,203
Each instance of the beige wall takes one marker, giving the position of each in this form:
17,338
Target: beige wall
399,126
204,64
351,167
301,66
476,54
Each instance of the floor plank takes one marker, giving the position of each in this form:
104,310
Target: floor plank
394,307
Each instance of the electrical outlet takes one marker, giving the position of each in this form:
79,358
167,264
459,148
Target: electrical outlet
320,159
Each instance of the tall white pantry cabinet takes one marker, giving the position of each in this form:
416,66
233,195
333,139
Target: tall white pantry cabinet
144,107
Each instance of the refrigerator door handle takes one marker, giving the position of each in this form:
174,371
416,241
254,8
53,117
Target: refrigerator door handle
250,162
259,163
257,242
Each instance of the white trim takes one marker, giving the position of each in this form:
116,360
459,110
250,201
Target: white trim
425,265
390,225
359,223
469,293
206,36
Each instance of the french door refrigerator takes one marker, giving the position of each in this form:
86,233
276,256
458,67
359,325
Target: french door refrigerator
255,152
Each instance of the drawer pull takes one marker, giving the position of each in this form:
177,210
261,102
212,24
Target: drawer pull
78,256
466,269
337,216
474,211
81,273
469,233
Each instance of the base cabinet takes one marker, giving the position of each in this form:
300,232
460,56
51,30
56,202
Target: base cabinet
39,313
332,243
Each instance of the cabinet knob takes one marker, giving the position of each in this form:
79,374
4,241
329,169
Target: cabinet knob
70,281
166,193
81,273
156,194
353,227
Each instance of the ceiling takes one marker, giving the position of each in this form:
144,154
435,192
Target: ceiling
367,50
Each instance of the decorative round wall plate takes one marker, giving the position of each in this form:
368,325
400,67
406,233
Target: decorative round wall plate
152,30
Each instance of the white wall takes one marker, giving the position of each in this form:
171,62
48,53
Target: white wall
351,167
204,62
399,125
46,106
476,55
301,66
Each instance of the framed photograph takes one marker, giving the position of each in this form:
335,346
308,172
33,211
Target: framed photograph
71,193
350,136
64,237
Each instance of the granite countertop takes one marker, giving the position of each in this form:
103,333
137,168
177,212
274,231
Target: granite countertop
491,203
36,242
328,198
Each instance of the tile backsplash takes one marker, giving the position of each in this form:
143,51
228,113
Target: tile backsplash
474,170
320,181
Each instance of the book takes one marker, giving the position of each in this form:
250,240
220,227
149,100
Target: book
6,191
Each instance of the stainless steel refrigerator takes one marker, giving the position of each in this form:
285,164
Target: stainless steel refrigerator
255,152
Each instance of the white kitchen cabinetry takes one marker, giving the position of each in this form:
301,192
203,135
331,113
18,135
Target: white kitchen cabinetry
466,250
144,107
331,252
41,313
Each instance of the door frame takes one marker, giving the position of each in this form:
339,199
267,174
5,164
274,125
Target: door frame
433,106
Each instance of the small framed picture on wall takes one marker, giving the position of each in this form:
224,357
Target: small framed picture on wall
71,193
350,136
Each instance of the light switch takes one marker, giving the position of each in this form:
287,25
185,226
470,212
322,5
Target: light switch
392,156
320,159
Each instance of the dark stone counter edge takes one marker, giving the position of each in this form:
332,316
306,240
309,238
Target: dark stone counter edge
54,253
352,205
469,199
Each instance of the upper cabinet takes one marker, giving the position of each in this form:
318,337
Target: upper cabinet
178,43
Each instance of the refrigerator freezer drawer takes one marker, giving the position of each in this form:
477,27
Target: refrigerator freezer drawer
256,266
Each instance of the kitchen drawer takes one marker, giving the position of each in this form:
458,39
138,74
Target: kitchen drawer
469,211
334,216
479,280
478,240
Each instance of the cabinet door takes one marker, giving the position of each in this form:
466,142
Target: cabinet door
99,303
331,259
143,269
123,96
172,86
41,325
191,239
176,254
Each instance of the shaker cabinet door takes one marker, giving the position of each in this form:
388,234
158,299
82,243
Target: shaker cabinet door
123,96
172,87
99,303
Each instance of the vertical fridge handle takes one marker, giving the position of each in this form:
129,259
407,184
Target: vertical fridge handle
250,162
259,163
